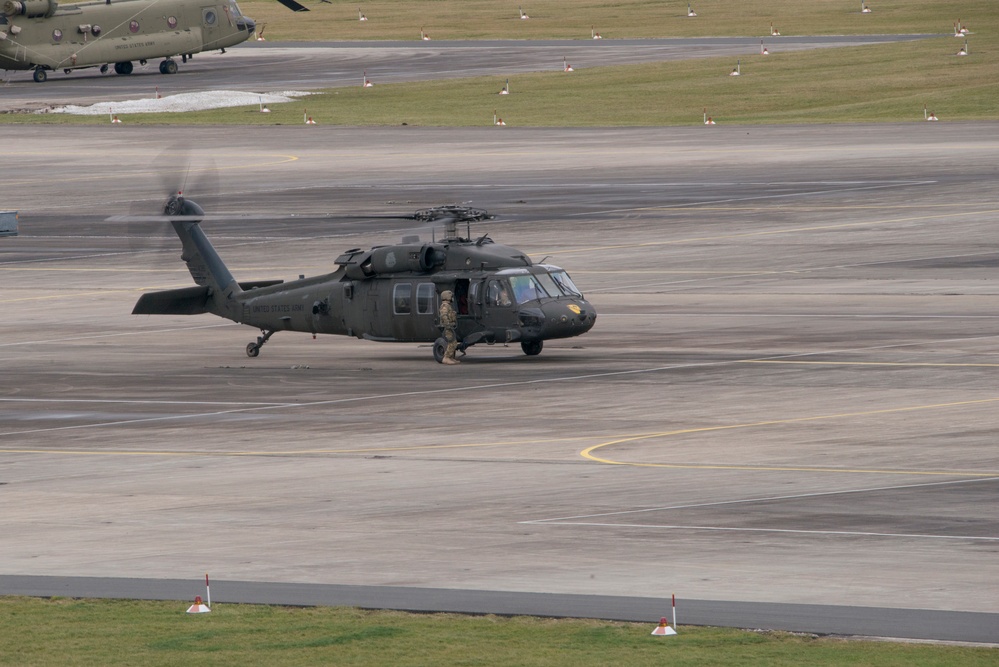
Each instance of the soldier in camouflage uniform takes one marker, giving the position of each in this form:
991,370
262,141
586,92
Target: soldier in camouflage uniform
449,321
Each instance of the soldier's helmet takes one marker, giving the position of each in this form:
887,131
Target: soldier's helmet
446,295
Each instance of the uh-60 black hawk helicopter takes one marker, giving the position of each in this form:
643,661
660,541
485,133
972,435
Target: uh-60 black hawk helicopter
389,293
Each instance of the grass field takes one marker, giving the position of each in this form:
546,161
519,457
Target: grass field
877,83
574,19
67,632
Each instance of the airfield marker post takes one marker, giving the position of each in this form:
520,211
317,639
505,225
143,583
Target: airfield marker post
208,597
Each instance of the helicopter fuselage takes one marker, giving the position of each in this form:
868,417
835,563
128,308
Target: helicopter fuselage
41,35
389,293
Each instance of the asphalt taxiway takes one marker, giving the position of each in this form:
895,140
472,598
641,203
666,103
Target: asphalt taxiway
788,400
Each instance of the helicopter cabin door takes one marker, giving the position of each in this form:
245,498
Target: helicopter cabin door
499,311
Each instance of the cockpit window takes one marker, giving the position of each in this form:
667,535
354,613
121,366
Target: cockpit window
234,9
498,293
526,288
565,283
548,284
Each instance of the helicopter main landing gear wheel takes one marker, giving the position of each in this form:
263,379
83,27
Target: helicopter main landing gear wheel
532,347
253,349
124,68
168,67
440,347
40,75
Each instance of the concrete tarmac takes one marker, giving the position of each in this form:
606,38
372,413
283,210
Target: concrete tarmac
789,397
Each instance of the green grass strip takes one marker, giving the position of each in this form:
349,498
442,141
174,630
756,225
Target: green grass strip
67,632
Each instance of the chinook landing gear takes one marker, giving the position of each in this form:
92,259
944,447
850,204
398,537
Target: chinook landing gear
253,349
124,68
40,75
168,66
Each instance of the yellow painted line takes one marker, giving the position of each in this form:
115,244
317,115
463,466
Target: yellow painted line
588,452
68,295
902,364
771,232
278,453
269,161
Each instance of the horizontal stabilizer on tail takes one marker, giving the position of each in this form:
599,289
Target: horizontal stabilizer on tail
186,300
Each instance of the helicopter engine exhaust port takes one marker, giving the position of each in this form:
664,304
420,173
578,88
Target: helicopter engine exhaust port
30,8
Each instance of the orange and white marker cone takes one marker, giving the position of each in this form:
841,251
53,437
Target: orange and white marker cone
260,35
594,34
365,81
663,629
424,36
774,32
506,88
566,67
360,16
690,12
198,607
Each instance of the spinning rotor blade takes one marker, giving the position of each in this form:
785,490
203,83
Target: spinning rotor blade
294,6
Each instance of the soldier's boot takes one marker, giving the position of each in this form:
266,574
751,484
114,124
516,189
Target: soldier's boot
450,361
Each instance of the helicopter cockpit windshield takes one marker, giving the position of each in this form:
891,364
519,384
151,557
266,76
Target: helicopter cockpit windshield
562,281
526,286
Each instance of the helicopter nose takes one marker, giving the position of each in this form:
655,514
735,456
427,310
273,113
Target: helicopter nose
247,24
570,319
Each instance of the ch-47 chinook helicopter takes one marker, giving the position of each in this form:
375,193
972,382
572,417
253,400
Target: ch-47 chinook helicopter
389,293
40,35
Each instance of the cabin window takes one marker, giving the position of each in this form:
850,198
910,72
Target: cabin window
57,35
171,22
209,16
402,299
133,26
425,298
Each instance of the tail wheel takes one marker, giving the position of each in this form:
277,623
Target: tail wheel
532,348
252,350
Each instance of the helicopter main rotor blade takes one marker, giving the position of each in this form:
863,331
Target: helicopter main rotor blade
294,6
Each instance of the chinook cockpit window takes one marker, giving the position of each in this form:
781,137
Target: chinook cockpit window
234,10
